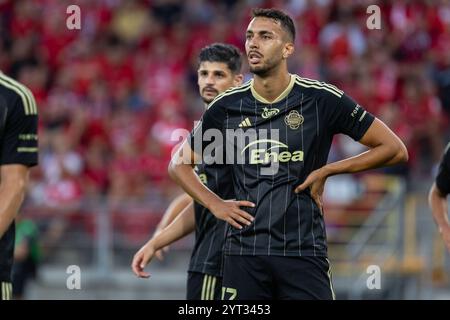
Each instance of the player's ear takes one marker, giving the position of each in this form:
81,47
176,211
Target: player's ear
237,81
288,50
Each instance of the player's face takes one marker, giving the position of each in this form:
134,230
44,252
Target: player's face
266,45
214,78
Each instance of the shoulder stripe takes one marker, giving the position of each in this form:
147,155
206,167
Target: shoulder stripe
23,96
312,81
27,91
27,97
318,87
447,148
320,82
231,91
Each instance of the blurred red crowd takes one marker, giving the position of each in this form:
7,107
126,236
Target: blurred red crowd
111,94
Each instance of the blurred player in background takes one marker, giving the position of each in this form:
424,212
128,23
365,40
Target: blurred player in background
438,197
27,254
219,69
18,152
282,254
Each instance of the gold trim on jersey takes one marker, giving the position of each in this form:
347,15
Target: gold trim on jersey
25,149
330,279
308,83
6,291
27,97
283,95
208,287
320,82
447,148
362,116
205,279
213,288
230,91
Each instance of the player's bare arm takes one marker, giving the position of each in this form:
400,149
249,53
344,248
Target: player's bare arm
13,184
183,225
173,210
385,149
181,170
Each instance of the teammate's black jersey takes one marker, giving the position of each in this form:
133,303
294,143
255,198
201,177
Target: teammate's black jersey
277,145
443,177
210,232
18,145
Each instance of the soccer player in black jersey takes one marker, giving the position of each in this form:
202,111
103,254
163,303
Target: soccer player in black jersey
278,131
18,152
438,197
219,69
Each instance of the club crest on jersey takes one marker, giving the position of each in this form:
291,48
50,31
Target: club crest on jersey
294,120
267,113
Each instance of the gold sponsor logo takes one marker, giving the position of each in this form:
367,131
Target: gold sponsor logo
267,113
268,155
294,120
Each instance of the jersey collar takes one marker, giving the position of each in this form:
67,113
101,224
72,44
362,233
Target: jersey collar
283,95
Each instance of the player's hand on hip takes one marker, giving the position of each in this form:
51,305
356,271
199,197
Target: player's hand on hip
231,212
316,182
141,259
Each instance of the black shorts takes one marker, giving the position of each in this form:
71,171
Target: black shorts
276,278
202,286
5,291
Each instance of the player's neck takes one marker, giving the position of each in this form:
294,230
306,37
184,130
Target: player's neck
271,87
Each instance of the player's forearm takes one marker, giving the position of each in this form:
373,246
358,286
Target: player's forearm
379,156
439,208
174,209
183,225
11,198
186,178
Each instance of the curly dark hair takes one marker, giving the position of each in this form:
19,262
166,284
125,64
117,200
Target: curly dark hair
222,52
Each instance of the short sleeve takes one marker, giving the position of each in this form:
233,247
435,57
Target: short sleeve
209,125
348,117
443,176
19,138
